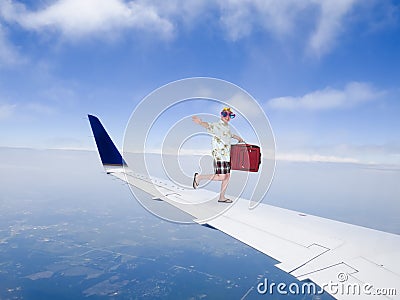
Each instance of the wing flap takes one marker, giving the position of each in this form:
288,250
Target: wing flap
283,250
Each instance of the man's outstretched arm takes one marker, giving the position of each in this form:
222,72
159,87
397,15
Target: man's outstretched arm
197,120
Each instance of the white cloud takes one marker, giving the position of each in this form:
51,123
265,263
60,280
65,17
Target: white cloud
307,157
330,24
240,17
9,55
6,110
325,18
76,18
353,94
373,155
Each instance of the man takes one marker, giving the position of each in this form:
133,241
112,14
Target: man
221,148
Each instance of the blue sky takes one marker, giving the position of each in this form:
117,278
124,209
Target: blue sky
326,73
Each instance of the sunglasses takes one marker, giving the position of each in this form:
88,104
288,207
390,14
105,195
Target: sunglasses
225,113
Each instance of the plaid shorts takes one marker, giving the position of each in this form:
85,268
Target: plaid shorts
222,167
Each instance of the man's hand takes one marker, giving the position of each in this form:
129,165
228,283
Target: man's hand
238,138
196,119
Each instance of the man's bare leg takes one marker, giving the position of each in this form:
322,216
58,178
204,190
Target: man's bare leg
213,177
216,177
224,185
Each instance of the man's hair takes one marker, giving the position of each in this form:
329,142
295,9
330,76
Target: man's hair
228,109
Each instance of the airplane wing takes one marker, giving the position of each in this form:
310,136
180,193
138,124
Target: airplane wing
346,260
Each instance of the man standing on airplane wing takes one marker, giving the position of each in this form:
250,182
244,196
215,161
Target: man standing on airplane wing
221,148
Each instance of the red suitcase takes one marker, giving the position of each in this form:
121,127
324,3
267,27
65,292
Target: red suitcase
245,157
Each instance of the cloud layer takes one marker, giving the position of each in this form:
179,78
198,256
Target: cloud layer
322,20
353,94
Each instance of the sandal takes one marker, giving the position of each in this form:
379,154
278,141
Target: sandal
225,200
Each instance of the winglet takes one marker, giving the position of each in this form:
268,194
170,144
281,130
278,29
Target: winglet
109,154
